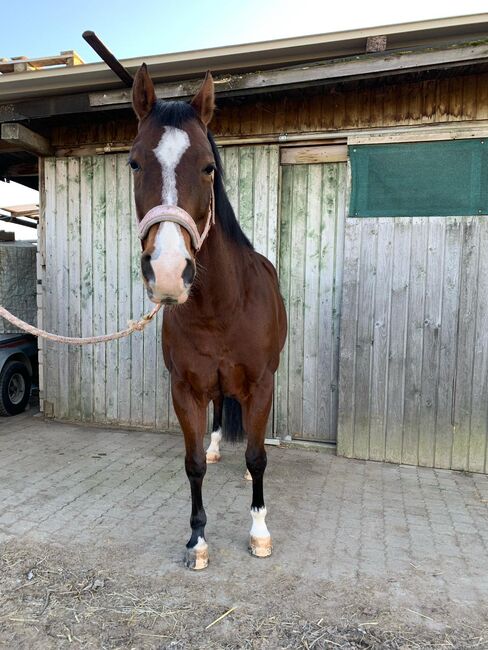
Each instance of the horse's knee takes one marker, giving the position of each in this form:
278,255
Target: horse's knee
256,460
195,465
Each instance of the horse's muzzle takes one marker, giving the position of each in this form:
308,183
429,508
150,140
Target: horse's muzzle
168,277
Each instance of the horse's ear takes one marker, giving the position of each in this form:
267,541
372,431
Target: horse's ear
143,95
204,100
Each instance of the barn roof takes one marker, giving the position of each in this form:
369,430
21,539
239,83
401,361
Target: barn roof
246,57
35,102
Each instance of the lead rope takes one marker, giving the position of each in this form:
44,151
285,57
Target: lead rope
134,326
73,340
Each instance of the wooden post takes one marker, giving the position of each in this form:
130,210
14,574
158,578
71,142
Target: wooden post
73,58
376,44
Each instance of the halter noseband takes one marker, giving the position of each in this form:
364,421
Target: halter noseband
174,213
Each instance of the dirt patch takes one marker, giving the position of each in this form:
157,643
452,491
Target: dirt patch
54,597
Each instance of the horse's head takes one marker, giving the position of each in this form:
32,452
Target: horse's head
173,168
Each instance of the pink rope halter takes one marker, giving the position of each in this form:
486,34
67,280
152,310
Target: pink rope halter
174,213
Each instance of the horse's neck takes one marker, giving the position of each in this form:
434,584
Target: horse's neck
220,275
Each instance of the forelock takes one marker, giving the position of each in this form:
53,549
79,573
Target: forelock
173,113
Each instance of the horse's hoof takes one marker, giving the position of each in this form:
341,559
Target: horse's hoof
196,558
260,546
213,457
247,475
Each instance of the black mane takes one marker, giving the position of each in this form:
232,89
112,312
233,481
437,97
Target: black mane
223,208
176,114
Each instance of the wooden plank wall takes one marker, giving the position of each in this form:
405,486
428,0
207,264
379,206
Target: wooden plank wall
327,108
92,286
358,105
313,208
414,342
92,283
251,180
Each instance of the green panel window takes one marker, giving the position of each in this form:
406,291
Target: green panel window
420,179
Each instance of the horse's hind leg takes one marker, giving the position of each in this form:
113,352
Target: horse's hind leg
191,415
213,451
255,411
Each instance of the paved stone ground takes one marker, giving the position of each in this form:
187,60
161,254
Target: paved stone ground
414,539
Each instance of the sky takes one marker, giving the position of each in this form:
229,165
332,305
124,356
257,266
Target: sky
12,194
132,28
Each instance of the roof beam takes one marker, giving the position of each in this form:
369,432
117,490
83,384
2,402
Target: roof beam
329,72
19,222
375,64
25,140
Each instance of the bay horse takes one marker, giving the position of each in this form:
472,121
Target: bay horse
225,322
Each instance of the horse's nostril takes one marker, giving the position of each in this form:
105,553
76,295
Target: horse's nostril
189,273
147,270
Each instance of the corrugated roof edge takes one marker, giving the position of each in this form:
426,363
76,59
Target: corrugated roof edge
181,65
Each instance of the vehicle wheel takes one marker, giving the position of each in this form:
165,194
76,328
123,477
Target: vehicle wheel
15,388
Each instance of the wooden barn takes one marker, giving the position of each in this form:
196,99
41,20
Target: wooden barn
357,162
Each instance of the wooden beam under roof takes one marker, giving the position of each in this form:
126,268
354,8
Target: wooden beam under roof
29,210
246,57
368,65
25,139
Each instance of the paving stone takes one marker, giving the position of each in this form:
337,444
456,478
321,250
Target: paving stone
337,518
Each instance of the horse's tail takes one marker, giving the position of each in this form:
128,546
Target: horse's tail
232,428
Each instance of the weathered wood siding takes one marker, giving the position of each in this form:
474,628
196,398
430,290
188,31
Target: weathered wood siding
414,342
92,286
251,180
356,105
313,208
92,283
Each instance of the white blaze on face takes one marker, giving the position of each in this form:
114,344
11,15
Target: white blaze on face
170,255
173,144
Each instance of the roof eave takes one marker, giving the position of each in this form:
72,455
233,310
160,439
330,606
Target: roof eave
239,58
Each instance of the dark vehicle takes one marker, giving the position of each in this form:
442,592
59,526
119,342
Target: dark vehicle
18,371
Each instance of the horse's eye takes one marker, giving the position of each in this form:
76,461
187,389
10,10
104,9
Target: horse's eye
134,166
209,169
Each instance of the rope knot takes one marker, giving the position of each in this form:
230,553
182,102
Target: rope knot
137,325
147,318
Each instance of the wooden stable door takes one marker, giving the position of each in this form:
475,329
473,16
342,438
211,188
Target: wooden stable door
312,217
294,214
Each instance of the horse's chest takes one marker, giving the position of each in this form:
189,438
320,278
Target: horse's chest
211,363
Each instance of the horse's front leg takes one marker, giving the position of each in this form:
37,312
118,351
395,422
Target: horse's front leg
255,413
191,414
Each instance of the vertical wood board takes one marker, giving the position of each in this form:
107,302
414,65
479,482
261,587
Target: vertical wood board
416,391
313,199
